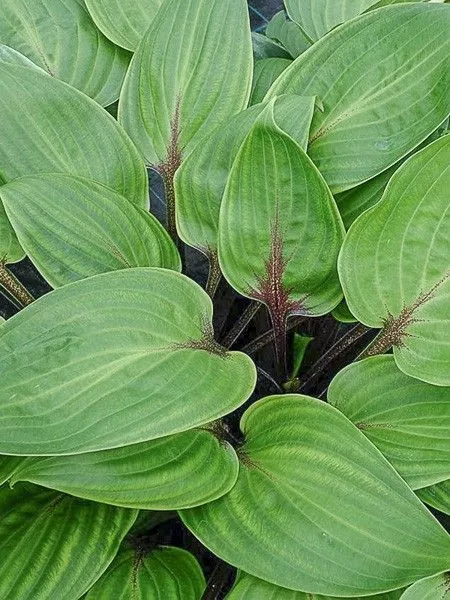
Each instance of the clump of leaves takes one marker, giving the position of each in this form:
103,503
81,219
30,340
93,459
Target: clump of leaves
152,441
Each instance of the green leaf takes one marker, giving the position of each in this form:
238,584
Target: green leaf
61,38
437,496
248,587
178,471
8,464
10,249
288,34
394,265
104,231
112,360
318,17
342,313
407,420
9,55
264,47
431,588
165,573
172,95
300,344
264,74
317,508
380,100
123,21
280,230
54,546
201,180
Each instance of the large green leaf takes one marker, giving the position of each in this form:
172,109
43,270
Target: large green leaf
317,508
61,38
200,181
394,266
115,359
123,21
279,230
179,471
318,17
163,574
437,496
191,71
288,34
248,587
104,231
54,546
431,588
264,74
383,79
408,420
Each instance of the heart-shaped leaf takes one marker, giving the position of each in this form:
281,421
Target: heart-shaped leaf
317,508
380,100
172,95
264,74
178,471
123,21
169,573
61,38
201,180
40,530
394,265
279,230
407,420
104,231
318,17
431,588
248,587
112,360
288,34
437,496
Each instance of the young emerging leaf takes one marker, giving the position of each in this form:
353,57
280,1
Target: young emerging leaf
54,546
264,74
248,587
288,34
264,47
163,574
394,265
318,17
408,420
309,509
201,180
437,496
61,38
123,21
431,588
342,313
112,360
104,231
279,229
191,71
380,100
178,471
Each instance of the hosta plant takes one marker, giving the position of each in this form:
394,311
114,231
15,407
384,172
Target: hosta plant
234,385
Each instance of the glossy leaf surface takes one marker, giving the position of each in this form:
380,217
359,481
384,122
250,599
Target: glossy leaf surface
169,573
41,530
264,74
408,420
123,21
104,231
61,38
380,100
115,359
201,180
172,95
437,496
431,588
394,265
279,229
178,471
248,587
317,508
